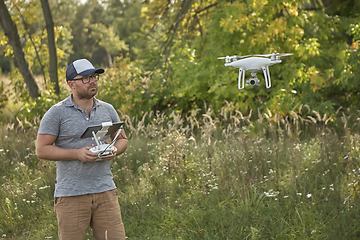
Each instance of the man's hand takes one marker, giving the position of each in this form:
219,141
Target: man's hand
110,157
45,149
85,155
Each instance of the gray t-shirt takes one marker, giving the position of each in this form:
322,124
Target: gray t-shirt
67,121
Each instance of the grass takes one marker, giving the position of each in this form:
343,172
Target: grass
224,177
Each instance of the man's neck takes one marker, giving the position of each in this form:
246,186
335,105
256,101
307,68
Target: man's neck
84,103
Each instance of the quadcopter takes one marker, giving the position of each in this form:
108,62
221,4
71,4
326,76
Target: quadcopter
253,64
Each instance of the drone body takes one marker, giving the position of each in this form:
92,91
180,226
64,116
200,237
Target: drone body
253,64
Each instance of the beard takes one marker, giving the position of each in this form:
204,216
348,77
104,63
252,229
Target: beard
89,93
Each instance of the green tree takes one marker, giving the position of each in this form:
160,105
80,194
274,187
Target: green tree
11,32
128,23
94,36
198,33
53,68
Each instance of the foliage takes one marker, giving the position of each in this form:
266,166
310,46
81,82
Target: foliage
168,51
94,37
32,31
29,112
128,25
309,77
207,161
124,88
190,179
3,96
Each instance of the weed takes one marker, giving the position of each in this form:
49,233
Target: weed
206,176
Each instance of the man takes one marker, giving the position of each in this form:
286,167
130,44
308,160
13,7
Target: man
85,193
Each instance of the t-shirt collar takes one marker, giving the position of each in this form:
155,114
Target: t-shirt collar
69,102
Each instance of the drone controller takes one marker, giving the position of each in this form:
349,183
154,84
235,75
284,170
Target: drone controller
98,133
103,150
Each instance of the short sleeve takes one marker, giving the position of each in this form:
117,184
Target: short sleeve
50,123
114,115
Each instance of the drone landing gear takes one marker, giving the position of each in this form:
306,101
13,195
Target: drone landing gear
241,83
253,80
267,76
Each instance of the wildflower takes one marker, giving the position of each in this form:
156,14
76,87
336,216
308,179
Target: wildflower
346,199
309,195
271,193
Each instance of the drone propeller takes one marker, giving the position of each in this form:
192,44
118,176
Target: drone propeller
242,56
227,57
232,57
274,54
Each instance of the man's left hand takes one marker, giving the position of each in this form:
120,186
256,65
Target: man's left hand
110,157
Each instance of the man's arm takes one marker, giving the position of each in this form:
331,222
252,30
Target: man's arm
121,142
46,150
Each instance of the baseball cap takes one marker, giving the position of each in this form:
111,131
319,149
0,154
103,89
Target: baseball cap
81,67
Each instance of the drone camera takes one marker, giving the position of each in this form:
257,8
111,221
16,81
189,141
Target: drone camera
253,81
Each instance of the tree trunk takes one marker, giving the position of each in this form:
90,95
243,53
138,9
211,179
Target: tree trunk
11,32
51,45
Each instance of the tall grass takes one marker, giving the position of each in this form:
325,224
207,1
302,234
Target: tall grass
218,176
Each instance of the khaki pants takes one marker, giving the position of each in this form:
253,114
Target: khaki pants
100,211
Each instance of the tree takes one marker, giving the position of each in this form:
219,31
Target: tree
94,36
127,21
11,32
197,32
51,45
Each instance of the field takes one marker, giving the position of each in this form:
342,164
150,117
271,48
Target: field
224,177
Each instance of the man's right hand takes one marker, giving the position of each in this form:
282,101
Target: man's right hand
45,149
85,155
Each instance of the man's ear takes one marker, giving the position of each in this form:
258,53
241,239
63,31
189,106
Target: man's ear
71,84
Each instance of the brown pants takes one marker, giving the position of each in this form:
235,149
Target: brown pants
100,211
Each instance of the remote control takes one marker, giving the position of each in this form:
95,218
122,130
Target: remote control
103,150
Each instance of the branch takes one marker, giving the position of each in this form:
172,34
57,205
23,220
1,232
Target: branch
172,29
161,17
206,8
32,42
179,18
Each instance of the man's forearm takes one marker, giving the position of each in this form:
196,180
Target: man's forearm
54,153
121,146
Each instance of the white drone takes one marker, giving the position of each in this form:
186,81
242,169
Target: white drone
254,64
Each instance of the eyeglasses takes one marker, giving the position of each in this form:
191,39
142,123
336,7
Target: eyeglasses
87,79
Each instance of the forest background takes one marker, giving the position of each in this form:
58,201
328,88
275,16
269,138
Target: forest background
163,77
162,56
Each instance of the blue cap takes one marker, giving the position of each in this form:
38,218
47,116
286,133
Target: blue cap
81,67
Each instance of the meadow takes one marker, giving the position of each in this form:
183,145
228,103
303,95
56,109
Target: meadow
218,176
